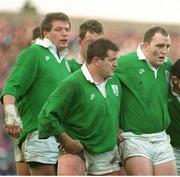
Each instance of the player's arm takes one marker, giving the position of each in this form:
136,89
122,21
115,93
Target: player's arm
13,122
18,82
70,145
53,114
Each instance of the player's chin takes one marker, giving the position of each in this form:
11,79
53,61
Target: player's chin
111,74
63,46
160,62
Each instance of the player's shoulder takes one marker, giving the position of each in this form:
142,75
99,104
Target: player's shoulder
75,77
72,82
31,49
127,58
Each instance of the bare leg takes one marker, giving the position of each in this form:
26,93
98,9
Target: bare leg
22,169
71,165
138,166
122,172
165,169
39,169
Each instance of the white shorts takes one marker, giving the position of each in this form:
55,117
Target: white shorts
177,156
155,146
99,164
37,150
104,163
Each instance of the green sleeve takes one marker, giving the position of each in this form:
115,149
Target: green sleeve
50,119
22,74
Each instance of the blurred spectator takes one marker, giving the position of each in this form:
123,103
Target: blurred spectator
6,152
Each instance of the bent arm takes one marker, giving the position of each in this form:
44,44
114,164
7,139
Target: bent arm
70,145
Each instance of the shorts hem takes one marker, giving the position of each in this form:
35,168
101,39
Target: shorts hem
104,172
136,155
164,161
40,160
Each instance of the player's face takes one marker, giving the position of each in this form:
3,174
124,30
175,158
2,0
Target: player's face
176,84
59,34
107,66
88,39
157,51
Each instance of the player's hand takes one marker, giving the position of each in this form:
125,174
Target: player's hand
13,130
70,145
13,123
120,138
73,146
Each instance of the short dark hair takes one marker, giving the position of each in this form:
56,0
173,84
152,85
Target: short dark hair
99,48
46,24
175,70
91,26
36,32
152,31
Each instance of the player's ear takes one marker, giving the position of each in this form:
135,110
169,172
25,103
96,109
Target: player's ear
95,60
79,40
175,80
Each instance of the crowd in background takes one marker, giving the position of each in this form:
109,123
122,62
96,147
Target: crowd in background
16,35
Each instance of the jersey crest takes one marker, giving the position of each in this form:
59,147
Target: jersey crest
115,89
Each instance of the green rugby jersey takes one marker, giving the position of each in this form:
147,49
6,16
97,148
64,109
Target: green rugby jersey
74,65
174,128
83,113
145,95
34,76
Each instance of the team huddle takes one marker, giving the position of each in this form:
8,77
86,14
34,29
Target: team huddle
99,113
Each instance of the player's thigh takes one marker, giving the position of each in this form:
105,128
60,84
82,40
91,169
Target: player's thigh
122,172
22,169
177,155
71,164
40,169
166,169
138,165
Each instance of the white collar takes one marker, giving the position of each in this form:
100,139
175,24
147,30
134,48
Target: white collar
88,75
101,87
140,53
46,43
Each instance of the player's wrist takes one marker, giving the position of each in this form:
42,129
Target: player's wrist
11,116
